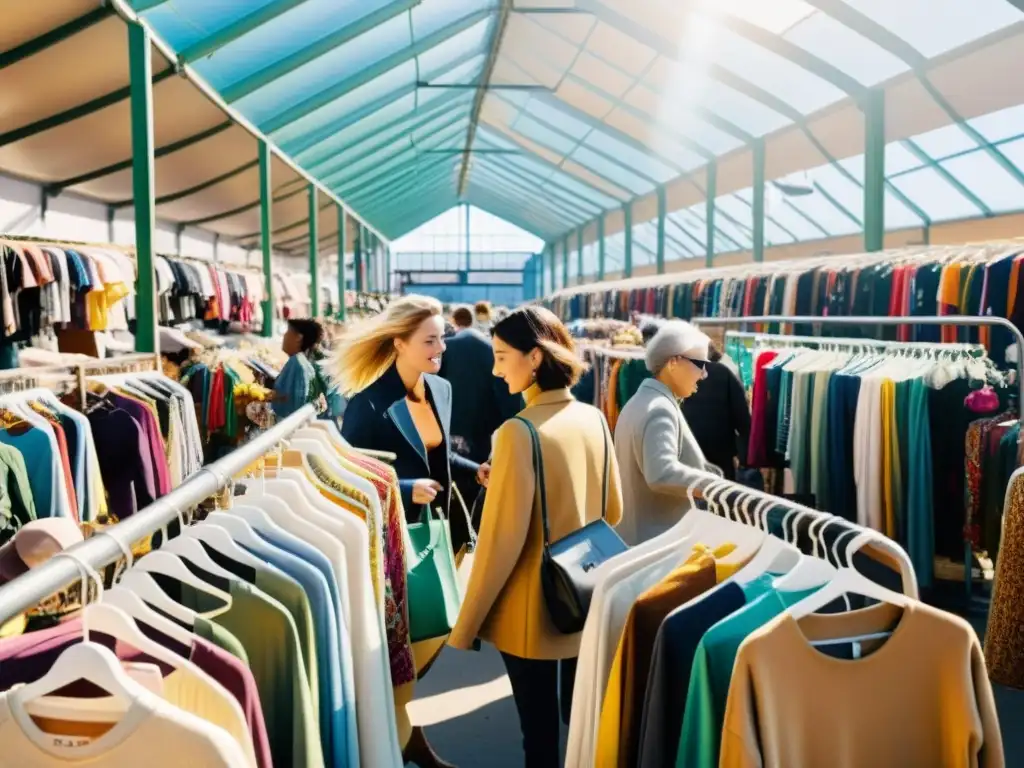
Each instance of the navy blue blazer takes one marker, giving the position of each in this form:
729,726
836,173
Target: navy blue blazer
378,419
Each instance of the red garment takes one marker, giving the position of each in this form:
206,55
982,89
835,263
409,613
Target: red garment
215,415
757,447
65,460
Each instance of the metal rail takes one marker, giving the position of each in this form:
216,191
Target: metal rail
101,550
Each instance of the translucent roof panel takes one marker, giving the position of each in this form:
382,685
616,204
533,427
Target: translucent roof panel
834,42
934,27
992,183
940,199
1001,125
645,244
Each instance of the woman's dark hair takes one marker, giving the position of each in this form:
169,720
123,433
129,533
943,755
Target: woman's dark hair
530,328
462,317
714,352
311,331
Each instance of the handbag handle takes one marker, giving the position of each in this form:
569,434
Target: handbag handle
538,471
469,519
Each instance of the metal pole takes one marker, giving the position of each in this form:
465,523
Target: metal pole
709,214
565,262
662,212
759,213
358,258
266,238
874,170
965,320
140,64
314,255
627,256
468,267
341,264
601,254
579,256
33,587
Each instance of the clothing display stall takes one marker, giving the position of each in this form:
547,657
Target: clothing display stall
192,289
614,375
278,622
967,280
698,639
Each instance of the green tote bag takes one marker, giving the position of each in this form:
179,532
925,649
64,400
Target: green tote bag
433,584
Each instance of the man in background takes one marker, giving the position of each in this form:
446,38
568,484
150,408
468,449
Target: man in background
484,317
481,401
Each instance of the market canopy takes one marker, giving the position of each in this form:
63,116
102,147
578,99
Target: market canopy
546,113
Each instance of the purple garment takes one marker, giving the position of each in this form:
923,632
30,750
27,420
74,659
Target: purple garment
26,658
151,429
125,462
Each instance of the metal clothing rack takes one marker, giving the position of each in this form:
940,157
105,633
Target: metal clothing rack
34,375
872,344
102,549
620,353
862,320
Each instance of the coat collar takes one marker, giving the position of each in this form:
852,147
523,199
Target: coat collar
536,396
394,393
656,386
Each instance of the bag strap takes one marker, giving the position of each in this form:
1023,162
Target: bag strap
607,469
465,511
538,473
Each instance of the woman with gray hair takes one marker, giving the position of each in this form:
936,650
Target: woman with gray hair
654,445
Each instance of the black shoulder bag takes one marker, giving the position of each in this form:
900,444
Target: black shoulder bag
567,567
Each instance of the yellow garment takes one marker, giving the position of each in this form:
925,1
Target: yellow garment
14,627
611,403
610,749
504,603
1011,298
922,698
891,468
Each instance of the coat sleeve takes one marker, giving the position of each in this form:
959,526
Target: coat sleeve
657,443
613,510
504,526
358,425
740,416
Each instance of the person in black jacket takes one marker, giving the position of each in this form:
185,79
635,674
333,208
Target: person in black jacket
719,416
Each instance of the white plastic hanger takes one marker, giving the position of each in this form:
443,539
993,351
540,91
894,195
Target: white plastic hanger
808,572
775,554
218,539
238,528
129,602
189,548
167,564
145,586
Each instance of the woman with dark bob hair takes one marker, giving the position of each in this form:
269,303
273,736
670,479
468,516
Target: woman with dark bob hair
504,603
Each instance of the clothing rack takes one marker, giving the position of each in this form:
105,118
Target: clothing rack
862,320
80,371
873,344
618,353
103,548
965,320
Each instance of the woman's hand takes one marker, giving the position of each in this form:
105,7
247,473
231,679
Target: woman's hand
483,475
425,490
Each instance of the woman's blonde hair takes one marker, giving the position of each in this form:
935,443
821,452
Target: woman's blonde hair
367,349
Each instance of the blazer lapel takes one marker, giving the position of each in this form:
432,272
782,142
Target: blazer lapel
444,410
402,418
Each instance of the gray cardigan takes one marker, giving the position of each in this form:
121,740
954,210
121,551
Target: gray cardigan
656,450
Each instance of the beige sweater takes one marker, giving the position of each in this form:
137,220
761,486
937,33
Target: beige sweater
920,699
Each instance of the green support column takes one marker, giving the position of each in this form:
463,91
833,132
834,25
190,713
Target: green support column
579,255
712,193
314,252
539,277
758,246
143,188
266,238
565,262
547,272
600,247
662,212
874,171
627,258
342,277
358,258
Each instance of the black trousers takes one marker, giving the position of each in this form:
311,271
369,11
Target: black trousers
543,694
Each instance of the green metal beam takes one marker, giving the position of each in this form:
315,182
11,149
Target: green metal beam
627,231
342,277
839,206
358,257
911,146
57,186
241,209
493,52
552,187
874,170
546,219
53,36
409,124
266,238
868,28
316,49
711,194
326,138
140,67
364,76
74,113
565,210
565,262
602,254
400,171
423,181
264,15
807,217
500,205
662,213
759,209
314,251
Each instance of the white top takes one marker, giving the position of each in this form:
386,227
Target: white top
152,732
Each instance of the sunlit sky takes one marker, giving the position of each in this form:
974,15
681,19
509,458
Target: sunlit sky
487,234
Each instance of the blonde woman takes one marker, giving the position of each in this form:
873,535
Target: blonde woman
388,367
